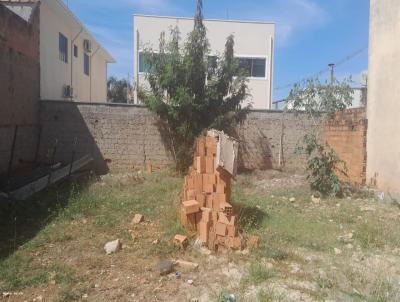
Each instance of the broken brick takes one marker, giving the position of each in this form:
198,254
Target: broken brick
181,241
223,218
138,218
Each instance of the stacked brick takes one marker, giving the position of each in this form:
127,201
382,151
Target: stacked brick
205,205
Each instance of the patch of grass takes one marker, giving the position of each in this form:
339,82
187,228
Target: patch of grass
384,290
375,234
259,273
267,295
19,272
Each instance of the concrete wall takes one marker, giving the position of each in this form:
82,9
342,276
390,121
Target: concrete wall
346,133
125,137
252,39
19,88
383,142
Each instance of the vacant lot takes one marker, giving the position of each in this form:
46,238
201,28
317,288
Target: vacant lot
312,250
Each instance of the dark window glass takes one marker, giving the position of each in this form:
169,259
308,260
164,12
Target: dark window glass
258,70
75,51
63,48
143,65
252,67
86,64
245,66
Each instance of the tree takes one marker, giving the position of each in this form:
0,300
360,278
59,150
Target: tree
320,102
191,91
117,90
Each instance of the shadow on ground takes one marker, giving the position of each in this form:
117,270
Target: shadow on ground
20,221
249,217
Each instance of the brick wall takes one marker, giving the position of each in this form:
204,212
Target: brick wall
19,88
120,137
347,135
270,137
125,137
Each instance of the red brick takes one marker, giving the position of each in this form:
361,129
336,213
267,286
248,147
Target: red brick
190,195
231,231
223,218
209,201
203,231
210,179
191,206
201,147
209,164
201,198
220,188
181,241
208,188
219,199
220,229
200,164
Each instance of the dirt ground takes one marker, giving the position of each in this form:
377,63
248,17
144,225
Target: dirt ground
312,249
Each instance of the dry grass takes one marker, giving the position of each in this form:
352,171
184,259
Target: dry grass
61,233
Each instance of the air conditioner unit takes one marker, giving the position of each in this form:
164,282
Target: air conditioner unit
68,91
87,45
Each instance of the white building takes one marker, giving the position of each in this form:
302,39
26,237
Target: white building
73,65
254,46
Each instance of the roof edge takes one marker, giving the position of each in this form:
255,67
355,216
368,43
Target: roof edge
110,58
215,20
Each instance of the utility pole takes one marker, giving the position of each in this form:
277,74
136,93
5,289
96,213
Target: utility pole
332,72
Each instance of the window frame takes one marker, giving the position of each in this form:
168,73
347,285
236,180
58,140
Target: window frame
253,58
63,48
86,64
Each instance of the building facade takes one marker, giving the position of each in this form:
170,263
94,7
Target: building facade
254,47
73,65
383,109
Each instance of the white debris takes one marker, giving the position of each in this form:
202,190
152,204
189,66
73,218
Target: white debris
112,246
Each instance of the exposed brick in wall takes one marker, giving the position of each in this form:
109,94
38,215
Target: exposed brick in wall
19,87
123,137
347,135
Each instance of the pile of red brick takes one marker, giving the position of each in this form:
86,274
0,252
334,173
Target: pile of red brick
205,205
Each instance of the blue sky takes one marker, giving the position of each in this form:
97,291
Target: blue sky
309,33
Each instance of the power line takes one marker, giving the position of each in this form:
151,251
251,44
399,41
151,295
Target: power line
325,70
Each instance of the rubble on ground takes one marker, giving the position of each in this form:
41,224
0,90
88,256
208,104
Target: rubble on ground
112,246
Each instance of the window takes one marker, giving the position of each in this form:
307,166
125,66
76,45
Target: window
143,65
253,67
63,48
86,64
75,51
